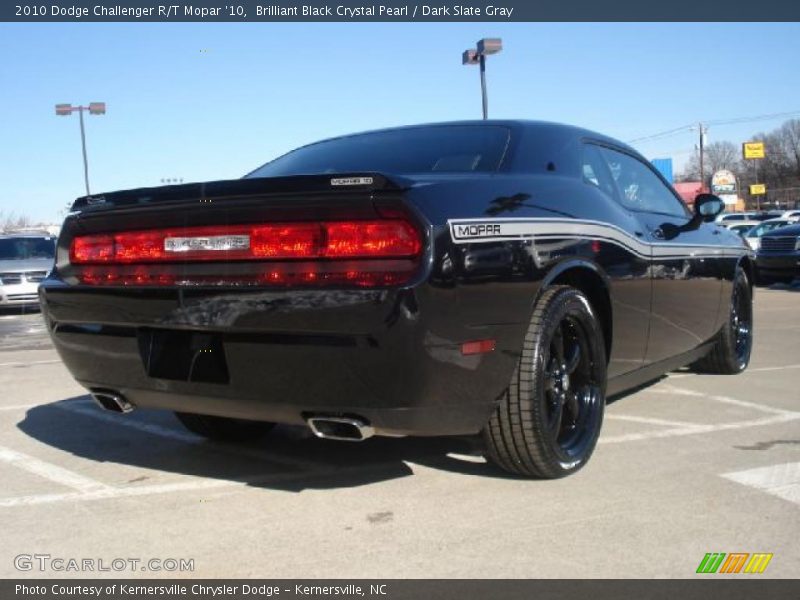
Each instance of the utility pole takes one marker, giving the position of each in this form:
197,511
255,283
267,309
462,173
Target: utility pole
701,128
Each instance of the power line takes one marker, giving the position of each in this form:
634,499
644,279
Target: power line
717,122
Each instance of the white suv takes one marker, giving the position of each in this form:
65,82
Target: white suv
25,260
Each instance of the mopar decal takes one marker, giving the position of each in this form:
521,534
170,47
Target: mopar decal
475,230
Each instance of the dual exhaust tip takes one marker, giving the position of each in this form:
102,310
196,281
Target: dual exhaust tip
346,429
112,401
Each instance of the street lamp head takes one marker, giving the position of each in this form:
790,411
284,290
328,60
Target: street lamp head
97,108
488,46
63,109
469,57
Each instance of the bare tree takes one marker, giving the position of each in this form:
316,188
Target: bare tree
717,156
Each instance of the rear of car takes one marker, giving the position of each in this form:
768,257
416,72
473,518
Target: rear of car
281,297
25,261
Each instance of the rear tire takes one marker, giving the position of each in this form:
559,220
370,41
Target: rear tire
547,422
731,351
224,429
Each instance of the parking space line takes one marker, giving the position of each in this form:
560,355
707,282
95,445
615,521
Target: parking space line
651,421
695,429
749,370
781,480
32,362
50,471
19,407
668,389
87,409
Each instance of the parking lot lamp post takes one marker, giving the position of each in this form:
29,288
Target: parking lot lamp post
94,108
484,48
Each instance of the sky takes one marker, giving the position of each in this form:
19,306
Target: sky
215,100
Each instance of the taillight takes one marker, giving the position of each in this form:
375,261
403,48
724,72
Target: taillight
358,253
329,240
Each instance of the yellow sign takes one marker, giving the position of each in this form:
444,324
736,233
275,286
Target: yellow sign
758,189
753,150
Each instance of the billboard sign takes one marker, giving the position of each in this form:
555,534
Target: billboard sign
753,150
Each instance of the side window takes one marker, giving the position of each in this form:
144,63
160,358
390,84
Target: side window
595,170
640,189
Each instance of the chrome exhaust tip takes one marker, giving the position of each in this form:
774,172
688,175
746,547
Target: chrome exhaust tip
345,429
112,401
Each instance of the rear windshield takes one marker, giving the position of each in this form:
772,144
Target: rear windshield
27,247
457,148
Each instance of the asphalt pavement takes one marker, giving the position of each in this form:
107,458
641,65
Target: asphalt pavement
688,465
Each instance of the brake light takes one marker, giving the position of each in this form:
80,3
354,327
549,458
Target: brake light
393,238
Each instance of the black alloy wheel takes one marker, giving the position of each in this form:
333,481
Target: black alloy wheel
546,424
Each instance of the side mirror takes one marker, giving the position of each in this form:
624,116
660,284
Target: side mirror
708,206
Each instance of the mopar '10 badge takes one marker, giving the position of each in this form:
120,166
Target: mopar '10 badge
212,242
352,181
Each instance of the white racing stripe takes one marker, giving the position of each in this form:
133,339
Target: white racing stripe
469,231
781,480
49,471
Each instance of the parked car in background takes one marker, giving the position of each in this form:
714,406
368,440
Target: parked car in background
778,258
740,227
753,234
25,261
791,214
726,218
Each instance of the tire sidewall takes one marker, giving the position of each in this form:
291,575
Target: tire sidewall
568,302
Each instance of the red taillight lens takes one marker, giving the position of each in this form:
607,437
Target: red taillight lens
329,240
372,239
92,249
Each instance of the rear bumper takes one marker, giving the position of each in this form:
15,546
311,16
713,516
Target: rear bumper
391,357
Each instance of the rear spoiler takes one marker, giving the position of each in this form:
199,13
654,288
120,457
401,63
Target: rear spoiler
234,188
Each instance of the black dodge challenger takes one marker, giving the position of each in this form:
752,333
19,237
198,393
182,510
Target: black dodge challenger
499,278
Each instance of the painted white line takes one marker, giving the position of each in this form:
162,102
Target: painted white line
32,362
195,484
749,370
635,437
50,471
781,480
86,408
762,369
19,407
676,391
651,421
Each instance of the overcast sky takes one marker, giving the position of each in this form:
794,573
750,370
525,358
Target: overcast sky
213,101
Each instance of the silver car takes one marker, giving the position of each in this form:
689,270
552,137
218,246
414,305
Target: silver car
25,261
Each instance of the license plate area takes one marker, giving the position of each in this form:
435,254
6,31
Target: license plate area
183,355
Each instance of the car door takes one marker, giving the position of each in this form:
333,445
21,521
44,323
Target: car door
685,266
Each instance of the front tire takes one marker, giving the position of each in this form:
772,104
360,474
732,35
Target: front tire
224,429
548,420
731,351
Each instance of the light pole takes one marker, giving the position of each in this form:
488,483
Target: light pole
94,108
484,48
